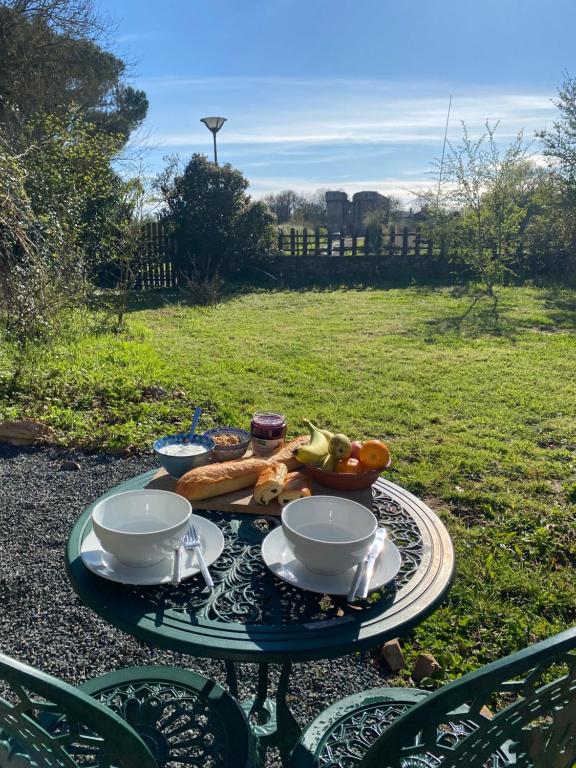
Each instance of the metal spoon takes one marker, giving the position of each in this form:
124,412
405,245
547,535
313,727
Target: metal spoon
195,419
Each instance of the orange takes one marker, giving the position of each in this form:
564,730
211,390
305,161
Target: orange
374,454
349,466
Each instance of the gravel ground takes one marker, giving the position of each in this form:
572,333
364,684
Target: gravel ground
43,623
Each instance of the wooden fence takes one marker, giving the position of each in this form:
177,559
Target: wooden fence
154,267
320,242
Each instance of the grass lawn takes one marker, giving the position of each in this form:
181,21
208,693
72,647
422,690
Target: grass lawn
478,410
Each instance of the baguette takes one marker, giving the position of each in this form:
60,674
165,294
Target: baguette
216,479
285,455
296,486
270,482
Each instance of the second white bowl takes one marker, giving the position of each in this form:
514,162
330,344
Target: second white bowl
141,528
328,534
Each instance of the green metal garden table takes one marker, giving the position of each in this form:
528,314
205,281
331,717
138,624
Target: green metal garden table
252,616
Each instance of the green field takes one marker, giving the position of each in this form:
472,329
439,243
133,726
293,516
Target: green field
477,407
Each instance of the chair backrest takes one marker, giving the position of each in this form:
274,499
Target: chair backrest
45,723
531,696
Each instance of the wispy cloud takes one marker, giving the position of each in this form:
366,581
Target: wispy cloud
376,118
304,134
131,37
406,193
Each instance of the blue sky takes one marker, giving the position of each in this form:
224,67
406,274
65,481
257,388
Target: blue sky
340,94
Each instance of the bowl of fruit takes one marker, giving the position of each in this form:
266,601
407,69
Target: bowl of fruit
337,462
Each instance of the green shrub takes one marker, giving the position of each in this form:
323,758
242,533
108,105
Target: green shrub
218,231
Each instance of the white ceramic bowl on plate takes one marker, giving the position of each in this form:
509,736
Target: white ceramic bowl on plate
328,534
141,528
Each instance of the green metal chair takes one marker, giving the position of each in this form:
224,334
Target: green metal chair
520,711
147,717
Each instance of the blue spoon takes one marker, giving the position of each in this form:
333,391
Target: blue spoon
195,419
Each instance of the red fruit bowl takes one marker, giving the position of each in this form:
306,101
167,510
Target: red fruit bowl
343,481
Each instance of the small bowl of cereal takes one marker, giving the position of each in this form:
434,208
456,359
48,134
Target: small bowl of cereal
229,442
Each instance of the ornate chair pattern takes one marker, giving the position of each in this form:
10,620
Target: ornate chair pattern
520,711
150,717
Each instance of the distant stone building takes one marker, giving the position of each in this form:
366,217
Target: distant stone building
347,216
343,215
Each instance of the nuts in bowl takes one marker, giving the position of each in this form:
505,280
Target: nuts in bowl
229,442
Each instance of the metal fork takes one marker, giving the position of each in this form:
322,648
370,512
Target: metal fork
192,541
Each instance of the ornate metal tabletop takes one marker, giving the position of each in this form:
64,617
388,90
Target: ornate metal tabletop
251,615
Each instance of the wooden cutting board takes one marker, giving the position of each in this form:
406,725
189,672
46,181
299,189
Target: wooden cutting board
243,501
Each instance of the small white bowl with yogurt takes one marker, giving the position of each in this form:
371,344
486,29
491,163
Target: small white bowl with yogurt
180,453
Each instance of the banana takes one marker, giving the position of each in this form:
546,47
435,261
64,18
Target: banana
316,450
329,463
327,434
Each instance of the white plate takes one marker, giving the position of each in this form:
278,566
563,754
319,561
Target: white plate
106,565
278,555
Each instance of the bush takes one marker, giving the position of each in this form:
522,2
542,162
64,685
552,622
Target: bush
64,211
31,290
218,231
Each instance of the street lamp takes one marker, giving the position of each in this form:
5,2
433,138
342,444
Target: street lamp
213,124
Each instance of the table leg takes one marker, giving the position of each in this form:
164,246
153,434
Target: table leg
271,720
231,678
262,689
287,728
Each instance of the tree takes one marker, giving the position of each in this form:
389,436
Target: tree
483,185
65,114
311,209
559,202
50,61
71,183
283,205
560,142
34,283
295,208
218,230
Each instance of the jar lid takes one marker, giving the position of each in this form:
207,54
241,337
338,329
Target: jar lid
268,417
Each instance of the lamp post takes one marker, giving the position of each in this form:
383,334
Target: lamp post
213,124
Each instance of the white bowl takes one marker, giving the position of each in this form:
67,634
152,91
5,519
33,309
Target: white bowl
328,534
141,528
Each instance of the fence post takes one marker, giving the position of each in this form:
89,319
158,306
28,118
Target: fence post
354,244
417,242
342,245
443,246
175,253
317,241
367,243
405,241
142,257
305,242
392,241
329,243
150,256
281,241
155,265
163,265
292,241
430,248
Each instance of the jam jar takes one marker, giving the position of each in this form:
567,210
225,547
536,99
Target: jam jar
268,431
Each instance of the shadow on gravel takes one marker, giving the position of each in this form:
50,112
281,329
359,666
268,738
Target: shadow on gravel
11,451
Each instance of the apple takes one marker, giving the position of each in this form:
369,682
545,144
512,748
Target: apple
350,466
355,446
